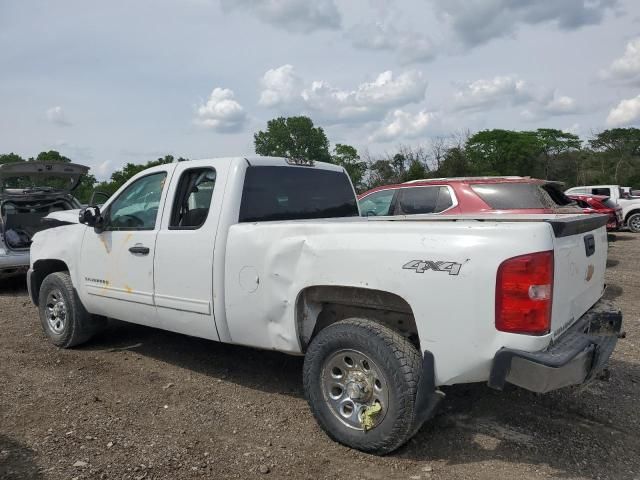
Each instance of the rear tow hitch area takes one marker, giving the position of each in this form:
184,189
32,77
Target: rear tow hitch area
576,357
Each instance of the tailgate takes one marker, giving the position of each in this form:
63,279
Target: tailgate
580,258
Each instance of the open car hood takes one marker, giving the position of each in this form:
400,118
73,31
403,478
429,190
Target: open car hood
70,172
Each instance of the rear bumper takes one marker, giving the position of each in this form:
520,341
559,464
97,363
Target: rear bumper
574,358
613,225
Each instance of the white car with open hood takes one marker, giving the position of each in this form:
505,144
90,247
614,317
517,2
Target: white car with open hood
272,253
29,191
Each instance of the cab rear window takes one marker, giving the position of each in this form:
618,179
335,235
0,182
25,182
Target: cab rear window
512,196
295,193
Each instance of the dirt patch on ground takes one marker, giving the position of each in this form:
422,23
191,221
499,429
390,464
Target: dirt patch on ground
138,403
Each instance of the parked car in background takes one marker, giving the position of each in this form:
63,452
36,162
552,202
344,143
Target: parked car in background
601,204
630,205
29,191
467,195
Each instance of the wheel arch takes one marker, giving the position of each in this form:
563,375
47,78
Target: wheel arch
320,306
632,212
41,269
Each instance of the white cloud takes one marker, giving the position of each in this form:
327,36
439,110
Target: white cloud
282,86
403,125
560,105
221,112
409,46
295,15
575,128
57,116
627,112
475,22
627,67
498,91
103,169
511,91
332,105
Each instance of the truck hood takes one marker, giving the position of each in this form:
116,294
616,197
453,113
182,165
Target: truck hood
70,172
63,216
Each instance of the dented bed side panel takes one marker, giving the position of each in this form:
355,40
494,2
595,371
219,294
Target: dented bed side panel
431,266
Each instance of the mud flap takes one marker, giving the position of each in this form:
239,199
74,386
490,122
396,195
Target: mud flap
428,397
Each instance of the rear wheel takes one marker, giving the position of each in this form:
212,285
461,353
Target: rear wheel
633,222
360,380
63,317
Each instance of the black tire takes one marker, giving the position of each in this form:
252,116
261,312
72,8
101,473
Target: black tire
633,222
394,356
77,325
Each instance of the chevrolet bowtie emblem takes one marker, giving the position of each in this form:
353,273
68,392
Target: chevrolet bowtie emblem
589,275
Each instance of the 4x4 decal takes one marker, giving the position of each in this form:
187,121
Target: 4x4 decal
420,266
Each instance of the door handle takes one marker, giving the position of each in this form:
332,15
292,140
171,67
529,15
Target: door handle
139,249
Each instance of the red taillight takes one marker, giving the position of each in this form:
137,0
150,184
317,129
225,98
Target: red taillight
524,290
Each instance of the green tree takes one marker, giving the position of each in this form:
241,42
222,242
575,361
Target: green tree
618,147
381,172
293,137
553,143
454,163
51,156
503,152
10,158
416,171
347,156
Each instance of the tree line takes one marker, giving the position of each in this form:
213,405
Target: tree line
610,156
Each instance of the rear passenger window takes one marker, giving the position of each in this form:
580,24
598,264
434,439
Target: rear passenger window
417,200
296,193
601,191
193,199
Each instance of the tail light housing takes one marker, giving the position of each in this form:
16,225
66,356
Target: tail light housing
524,293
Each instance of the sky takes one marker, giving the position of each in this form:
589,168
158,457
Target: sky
106,83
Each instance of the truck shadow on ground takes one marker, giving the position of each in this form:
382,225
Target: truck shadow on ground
575,431
266,370
612,263
17,461
13,285
620,237
612,292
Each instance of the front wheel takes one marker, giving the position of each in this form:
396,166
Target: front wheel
360,379
63,317
633,222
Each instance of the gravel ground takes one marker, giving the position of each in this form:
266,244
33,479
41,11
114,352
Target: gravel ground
138,403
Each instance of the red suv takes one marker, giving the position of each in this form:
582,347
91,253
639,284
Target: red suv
467,195
601,204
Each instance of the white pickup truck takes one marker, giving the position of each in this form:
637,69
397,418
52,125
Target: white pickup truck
630,205
385,309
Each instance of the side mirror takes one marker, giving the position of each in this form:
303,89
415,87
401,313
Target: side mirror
92,217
